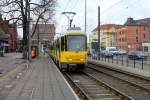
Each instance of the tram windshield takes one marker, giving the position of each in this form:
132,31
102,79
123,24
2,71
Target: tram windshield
76,43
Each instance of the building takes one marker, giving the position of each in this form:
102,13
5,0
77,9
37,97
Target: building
107,36
133,34
44,35
129,36
93,41
8,35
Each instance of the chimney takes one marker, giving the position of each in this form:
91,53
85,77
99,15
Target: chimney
130,20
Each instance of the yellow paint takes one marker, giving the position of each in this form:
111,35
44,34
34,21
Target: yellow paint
73,56
74,33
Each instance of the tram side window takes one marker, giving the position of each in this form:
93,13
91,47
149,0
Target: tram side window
58,45
62,44
65,43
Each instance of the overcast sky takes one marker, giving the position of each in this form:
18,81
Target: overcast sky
112,11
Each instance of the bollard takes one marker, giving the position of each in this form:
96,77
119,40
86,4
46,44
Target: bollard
142,64
127,62
134,62
117,59
122,59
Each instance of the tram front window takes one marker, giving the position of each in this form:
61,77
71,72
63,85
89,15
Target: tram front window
76,43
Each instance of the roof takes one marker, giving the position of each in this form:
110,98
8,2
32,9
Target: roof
74,31
131,22
107,27
74,28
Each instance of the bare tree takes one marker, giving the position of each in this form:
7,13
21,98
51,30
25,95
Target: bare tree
20,11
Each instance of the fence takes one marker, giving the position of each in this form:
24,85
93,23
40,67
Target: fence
123,60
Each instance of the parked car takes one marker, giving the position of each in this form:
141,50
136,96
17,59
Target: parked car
122,52
106,53
112,50
137,55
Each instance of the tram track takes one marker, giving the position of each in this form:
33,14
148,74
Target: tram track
133,80
136,87
90,88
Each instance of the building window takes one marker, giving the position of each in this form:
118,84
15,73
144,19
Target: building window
136,31
120,39
144,35
145,48
136,39
144,28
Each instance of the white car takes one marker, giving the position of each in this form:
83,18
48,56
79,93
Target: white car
121,51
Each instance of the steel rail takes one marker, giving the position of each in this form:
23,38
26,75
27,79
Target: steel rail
116,92
127,81
76,88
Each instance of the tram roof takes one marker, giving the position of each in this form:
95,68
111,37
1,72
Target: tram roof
73,31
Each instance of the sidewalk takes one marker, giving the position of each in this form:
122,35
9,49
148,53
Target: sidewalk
12,67
129,69
43,81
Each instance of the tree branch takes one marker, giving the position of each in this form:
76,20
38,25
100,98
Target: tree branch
10,11
37,22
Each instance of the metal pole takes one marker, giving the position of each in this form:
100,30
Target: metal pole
70,23
98,32
85,14
38,41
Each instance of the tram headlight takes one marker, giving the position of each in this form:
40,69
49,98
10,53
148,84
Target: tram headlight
70,59
81,59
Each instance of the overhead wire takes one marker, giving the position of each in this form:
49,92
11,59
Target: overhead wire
64,9
75,5
110,7
120,9
67,5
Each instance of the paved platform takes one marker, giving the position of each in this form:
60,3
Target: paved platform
43,81
136,71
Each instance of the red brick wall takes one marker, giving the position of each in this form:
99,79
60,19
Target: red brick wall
134,37
8,29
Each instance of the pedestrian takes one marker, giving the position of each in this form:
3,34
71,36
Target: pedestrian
33,53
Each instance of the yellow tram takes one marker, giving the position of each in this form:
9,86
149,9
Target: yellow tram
70,50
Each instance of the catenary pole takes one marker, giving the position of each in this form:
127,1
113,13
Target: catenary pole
99,45
85,13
